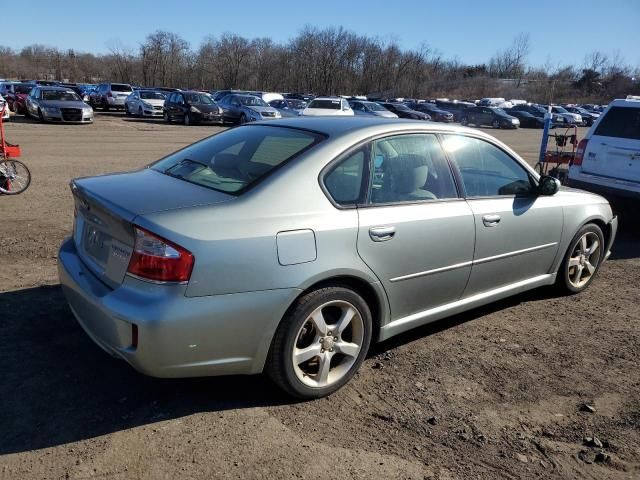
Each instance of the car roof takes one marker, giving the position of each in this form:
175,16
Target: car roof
49,87
337,126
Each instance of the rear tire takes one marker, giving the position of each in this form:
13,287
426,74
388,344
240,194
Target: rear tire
464,121
126,110
320,343
582,260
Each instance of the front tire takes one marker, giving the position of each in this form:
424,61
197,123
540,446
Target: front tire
495,124
243,119
320,343
582,260
464,121
41,116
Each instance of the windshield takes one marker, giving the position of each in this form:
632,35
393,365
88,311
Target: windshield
151,96
233,160
560,110
251,101
25,89
400,106
60,95
326,104
199,98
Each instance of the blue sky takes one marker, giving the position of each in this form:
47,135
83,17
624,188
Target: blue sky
471,31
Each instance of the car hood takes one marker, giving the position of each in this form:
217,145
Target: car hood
205,107
262,109
324,112
146,191
63,104
153,101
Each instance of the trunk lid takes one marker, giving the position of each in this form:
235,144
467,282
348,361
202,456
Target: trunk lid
107,206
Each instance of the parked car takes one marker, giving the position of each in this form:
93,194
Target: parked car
370,109
588,118
209,263
455,107
246,108
145,103
539,112
220,94
402,111
526,119
15,94
110,95
4,108
563,116
288,107
328,106
191,108
607,159
496,117
431,109
57,104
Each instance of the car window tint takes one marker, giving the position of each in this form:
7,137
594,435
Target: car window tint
620,122
344,182
410,168
486,170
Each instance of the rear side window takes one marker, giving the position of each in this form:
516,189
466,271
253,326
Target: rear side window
620,122
119,87
235,159
410,168
344,182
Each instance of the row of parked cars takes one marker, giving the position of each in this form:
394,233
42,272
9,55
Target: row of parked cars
76,103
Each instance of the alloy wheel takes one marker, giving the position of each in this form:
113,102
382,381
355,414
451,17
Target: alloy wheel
584,260
328,344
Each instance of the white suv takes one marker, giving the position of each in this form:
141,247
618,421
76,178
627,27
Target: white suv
607,160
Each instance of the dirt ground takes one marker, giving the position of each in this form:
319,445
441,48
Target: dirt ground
496,392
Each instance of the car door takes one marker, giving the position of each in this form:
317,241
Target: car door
415,232
179,107
517,231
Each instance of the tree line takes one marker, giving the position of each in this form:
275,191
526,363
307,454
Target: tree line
328,61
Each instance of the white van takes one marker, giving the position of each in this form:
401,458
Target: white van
495,102
607,160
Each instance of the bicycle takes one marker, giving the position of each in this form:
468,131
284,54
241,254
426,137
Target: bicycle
15,177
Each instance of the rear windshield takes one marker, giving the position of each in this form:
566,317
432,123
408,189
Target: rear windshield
119,87
326,104
620,122
233,160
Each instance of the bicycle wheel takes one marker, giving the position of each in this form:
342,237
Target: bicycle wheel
14,177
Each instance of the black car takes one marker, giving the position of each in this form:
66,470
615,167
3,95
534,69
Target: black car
403,111
431,109
526,119
454,107
496,117
191,108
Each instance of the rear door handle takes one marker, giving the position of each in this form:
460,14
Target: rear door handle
382,234
491,220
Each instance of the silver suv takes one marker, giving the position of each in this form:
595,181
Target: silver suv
110,95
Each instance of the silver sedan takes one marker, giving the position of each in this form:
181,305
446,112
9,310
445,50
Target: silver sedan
290,246
57,104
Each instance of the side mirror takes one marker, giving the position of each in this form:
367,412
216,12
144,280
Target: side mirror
548,185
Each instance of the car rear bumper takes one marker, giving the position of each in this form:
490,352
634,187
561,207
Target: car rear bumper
178,336
607,187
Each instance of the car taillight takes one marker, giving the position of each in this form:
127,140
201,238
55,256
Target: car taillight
159,260
109,94
582,146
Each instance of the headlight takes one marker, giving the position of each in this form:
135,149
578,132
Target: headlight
87,110
255,115
148,106
515,121
194,109
52,110
220,111
278,115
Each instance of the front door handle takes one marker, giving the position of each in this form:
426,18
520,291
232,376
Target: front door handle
491,220
382,234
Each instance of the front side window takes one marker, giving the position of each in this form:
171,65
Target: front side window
409,168
486,170
235,159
